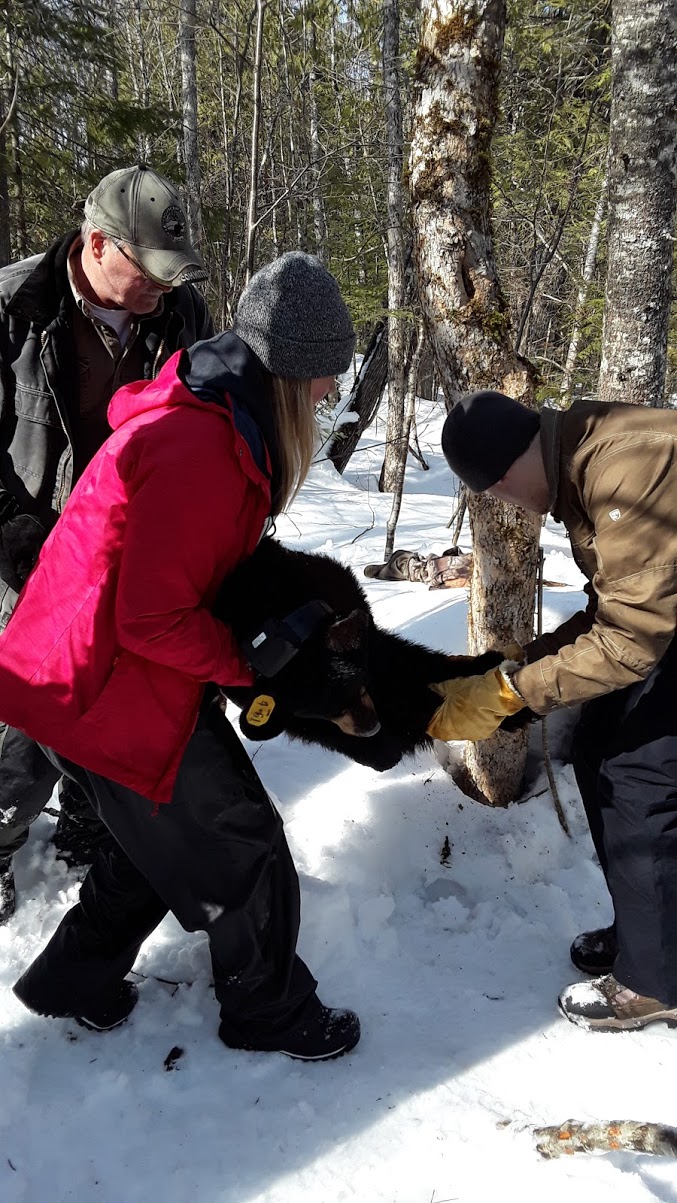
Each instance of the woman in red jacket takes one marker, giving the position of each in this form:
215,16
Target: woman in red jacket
109,650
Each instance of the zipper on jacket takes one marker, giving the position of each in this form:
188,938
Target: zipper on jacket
67,456
156,362
134,332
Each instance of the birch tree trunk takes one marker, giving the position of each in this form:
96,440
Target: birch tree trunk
409,412
191,157
319,217
293,152
139,71
397,326
581,299
254,158
230,272
467,321
642,199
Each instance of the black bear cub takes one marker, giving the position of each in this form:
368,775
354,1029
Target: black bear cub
326,672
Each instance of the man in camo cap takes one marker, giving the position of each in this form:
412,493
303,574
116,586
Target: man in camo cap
103,306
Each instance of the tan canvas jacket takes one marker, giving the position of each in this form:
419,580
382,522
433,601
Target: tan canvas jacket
612,471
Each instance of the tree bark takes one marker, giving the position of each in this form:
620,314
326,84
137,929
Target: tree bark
254,157
581,299
396,447
137,58
642,200
293,152
467,321
191,156
319,217
410,408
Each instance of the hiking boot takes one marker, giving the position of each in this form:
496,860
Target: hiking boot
103,1017
604,1005
323,1035
594,952
100,1016
7,889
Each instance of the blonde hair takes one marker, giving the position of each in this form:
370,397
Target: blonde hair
296,432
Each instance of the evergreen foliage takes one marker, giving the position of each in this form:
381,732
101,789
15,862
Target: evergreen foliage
99,86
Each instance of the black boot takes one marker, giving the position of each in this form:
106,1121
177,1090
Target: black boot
594,952
100,1016
321,1035
7,889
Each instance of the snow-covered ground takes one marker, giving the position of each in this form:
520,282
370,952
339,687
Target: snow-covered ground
453,967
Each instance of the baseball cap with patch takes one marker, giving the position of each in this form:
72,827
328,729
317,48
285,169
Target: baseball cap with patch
143,210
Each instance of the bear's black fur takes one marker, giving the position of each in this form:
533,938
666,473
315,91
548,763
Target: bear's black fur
346,658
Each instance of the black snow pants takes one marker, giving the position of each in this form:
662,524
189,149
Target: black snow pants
217,857
27,779
625,760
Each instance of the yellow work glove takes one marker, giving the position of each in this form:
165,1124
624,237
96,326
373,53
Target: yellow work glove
473,707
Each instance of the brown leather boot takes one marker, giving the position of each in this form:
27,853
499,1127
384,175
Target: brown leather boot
604,1005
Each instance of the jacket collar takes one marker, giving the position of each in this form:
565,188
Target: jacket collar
551,440
225,367
40,297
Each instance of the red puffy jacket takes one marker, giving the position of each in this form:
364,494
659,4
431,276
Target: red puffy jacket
107,652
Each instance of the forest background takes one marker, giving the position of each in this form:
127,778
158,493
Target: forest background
272,119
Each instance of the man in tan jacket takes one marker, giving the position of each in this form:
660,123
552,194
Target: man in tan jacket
609,473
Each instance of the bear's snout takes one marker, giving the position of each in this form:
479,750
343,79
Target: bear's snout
360,720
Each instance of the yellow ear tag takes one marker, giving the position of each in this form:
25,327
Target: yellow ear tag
260,710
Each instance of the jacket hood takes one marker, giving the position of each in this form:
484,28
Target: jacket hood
224,369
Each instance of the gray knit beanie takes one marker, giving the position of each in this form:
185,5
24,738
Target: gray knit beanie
293,317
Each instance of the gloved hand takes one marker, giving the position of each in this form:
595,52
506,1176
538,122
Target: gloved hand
515,722
20,541
473,707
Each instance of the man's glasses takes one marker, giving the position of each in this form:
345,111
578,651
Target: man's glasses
135,263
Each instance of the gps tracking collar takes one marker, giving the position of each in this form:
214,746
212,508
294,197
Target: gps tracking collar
279,639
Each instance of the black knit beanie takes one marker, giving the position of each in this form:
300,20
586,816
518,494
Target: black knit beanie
483,436
294,318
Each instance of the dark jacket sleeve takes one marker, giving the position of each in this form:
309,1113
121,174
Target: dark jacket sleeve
21,535
550,642
9,507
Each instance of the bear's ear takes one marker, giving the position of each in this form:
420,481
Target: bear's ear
348,634
262,716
